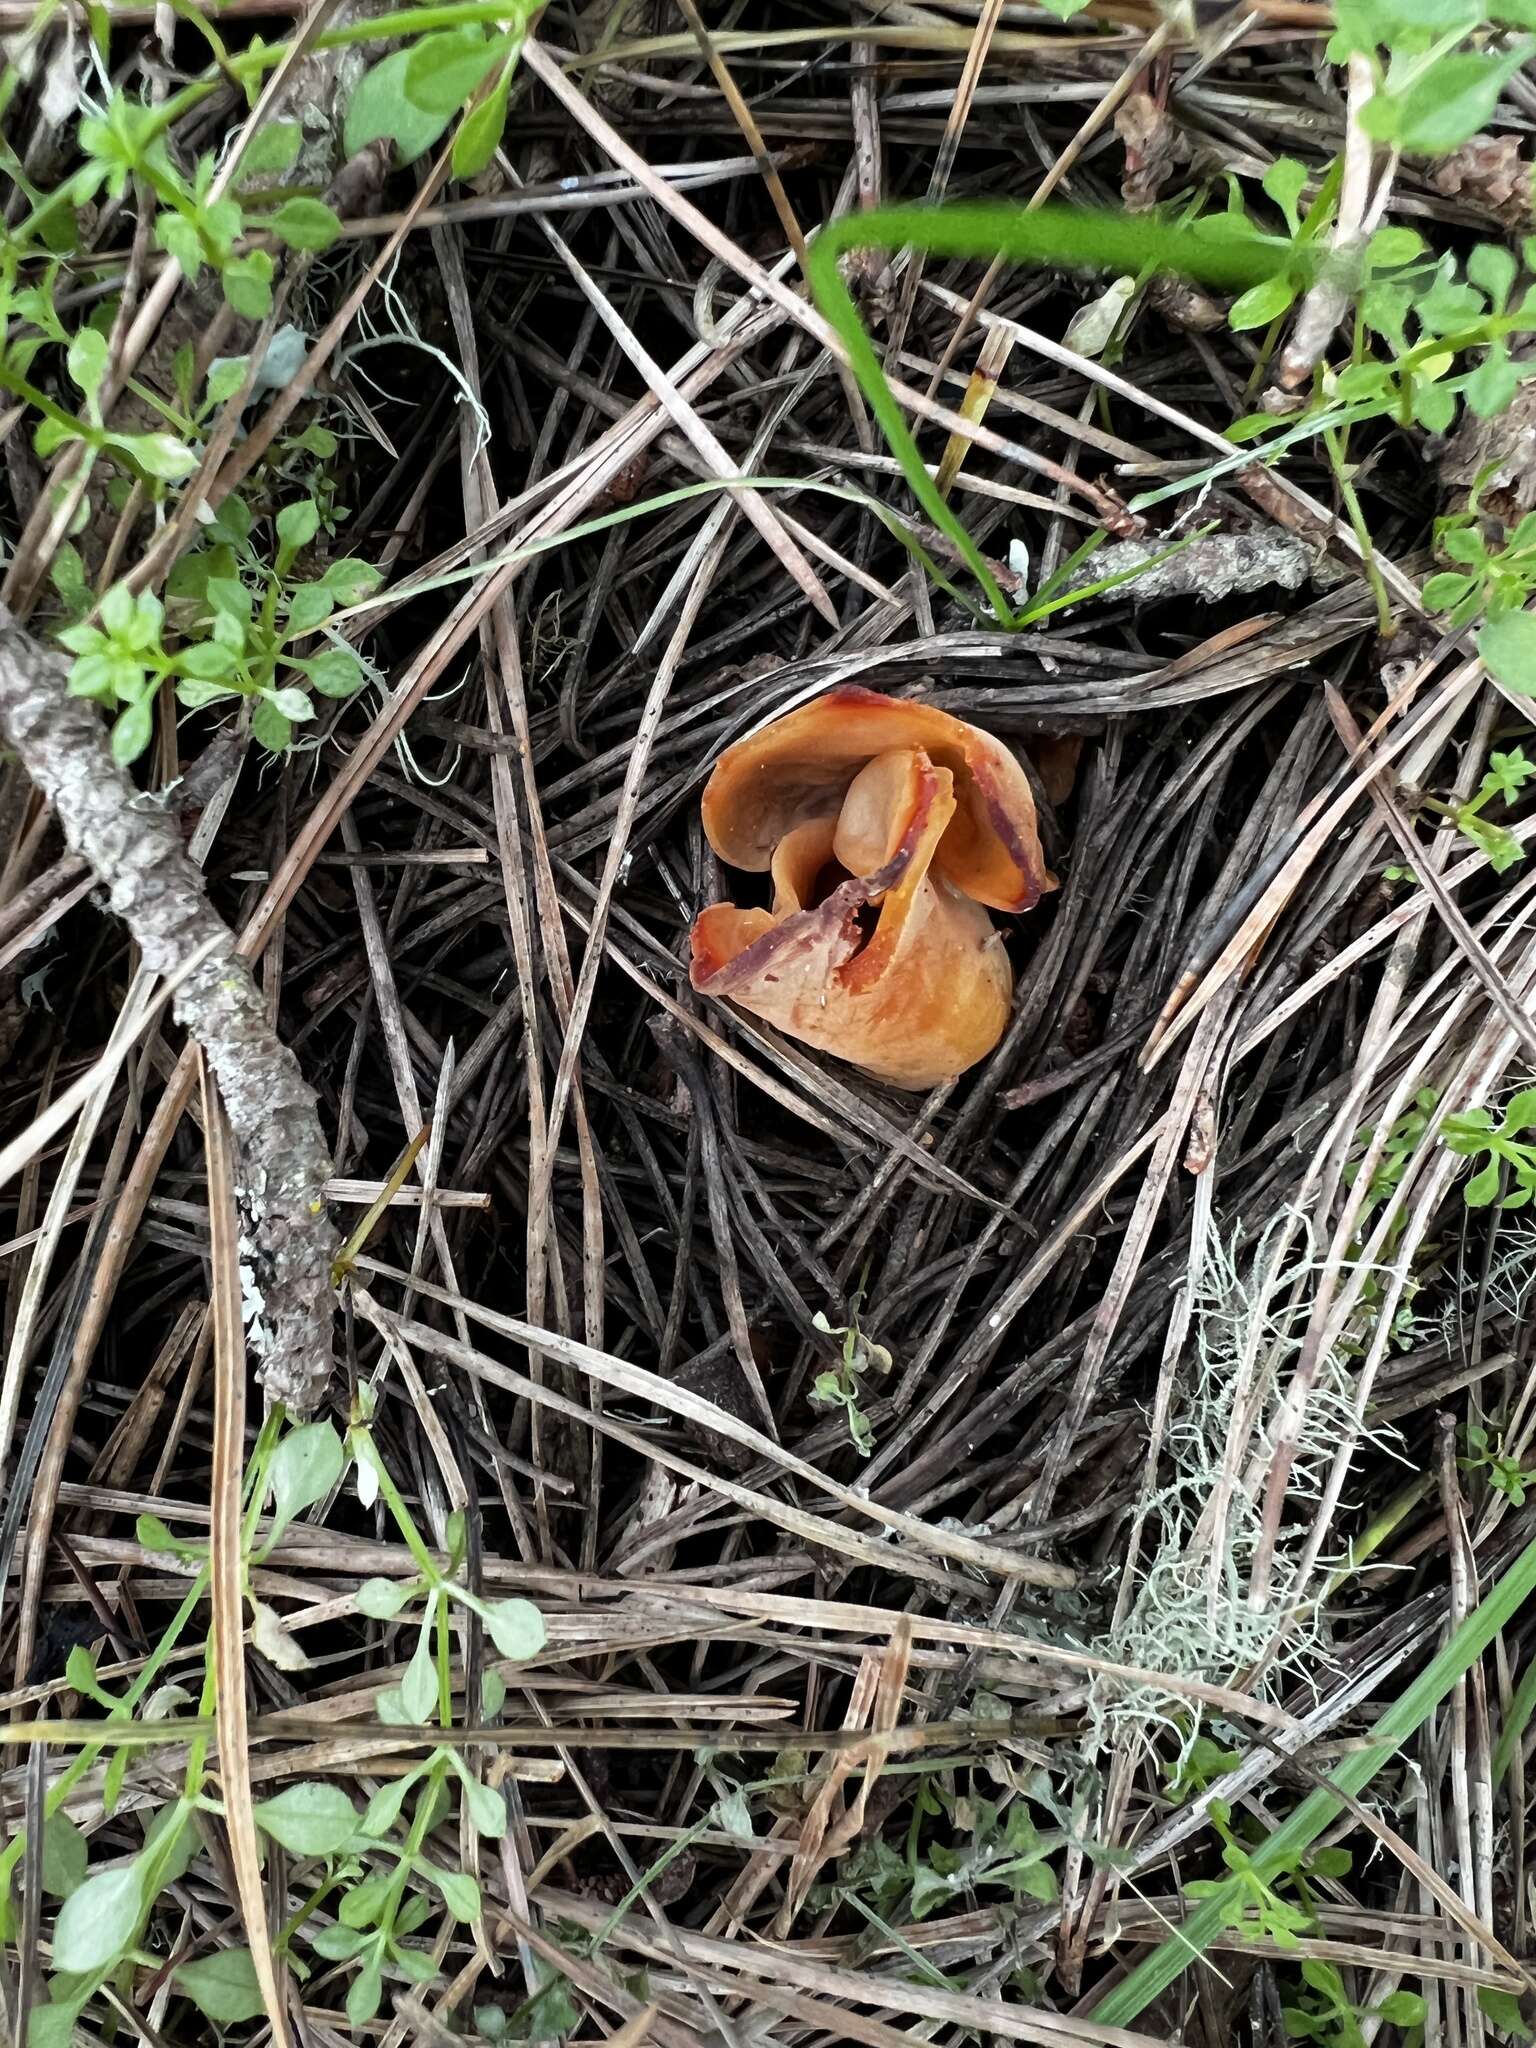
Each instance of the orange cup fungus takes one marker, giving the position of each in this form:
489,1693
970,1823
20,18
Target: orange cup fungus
890,830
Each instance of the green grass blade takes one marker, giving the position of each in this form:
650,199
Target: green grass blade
1062,237
1521,1708
1289,1843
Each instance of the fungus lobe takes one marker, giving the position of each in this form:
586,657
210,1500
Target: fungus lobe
890,830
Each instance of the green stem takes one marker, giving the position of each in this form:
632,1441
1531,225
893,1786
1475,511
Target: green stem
361,1443
1333,441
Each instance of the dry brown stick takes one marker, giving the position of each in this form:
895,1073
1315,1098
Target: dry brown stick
226,1565
135,848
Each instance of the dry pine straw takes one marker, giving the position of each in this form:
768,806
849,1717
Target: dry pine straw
1097,1262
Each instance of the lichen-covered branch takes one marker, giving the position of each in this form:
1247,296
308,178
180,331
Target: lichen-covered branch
135,847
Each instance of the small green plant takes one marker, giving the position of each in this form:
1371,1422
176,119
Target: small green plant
1430,92
1199,1765
1283,183
1250,1902
1324,2011
410,96
128,141
991,1847
1475,1134
381,1882
1506,777
843,1386
1506,1475
1493,584
1398,1149
240,624
549,2015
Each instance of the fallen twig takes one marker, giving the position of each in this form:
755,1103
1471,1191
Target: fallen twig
135,849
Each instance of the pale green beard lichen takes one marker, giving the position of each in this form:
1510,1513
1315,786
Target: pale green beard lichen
1190,1614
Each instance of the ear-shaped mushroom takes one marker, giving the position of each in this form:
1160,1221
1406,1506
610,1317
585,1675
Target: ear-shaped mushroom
888,828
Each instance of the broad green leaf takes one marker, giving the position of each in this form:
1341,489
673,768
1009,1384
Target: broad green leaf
310,1819
179,238
65,1856
350,579
1433,406
1331,1863
382,1599
338,1944
248,284
227,594
305,224
418,1688
1483,1187
460,1892
132,731
443,70
1037,1880
1503,2008
272,149
297,525
365,1995
67,575
80,1669
153,1535
516,1627
1447,104
1402,2009
87,360
1463,541
1261,304
221,221
487,1808
223,1986
384,1808
196,694
207,660
380,109
53,2025
310,606
481,130
306,1464
1442,591
1283,182
100,1920
1507,645
734,1815
1492,268
365,1901
225,378
1491,387
292,703
271,730
159,455
336,672
1389,247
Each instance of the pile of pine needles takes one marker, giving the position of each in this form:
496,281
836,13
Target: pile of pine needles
1180,1420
